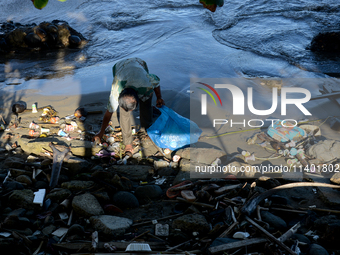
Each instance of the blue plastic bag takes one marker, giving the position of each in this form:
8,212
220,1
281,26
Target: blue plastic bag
172,130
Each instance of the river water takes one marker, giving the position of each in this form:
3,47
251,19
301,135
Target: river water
179,40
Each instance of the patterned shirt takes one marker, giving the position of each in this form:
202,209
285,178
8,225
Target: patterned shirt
131,73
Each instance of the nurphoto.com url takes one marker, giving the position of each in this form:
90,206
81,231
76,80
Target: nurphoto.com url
324,168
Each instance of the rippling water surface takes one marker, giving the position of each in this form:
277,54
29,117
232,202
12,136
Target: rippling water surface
179,39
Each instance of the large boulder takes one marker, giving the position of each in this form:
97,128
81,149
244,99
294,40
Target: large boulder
326,42
148,192
78,147
58,195
132,172
86,205
77,185
274,221
46,35
110,225
22,199
124,199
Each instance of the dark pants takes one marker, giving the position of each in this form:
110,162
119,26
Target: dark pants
145,111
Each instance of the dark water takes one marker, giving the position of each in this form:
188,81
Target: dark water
178,39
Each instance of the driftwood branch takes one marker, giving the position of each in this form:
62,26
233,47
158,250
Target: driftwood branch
250,206
235,245
271,237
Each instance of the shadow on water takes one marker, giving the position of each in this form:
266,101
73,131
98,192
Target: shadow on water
40,65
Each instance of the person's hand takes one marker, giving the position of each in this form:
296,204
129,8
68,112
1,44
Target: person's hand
97,138
129,148
160,102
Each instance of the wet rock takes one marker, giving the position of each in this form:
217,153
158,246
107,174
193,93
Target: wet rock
14,162
48,230
49,220
15,222
41,185
74,41
78,148
176,236
4,47
76,165
133,172
316,249
7,211
63,34
76,229
200,155
149,192
24,179
267,182
16,38
12,185
127,184
46,35
17,212
10,244
86,205
301,238
41,33
32,40
273,220
58,195
276,199
334,123
181,177
25,232
2,177
22,199
328,227
219,241
97,168
77,185
102,196
335,178
63,178
102,174
117,182
124,199
326,42
110,225
18,172
191,223
167,171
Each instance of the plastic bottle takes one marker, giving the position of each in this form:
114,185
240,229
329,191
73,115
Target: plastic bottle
160,164
301,157
33,125
45,130
33,133
62,133
34,108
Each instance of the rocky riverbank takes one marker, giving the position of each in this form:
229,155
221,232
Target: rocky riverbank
104,203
